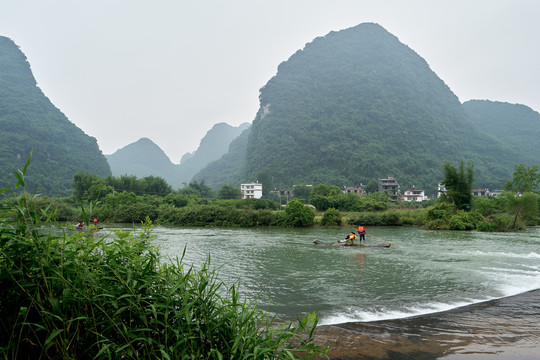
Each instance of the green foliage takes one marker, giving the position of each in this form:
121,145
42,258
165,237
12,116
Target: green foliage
302,192
219,216
522,208
372,186
80,296
177,200
385,218
438,215
255,204
458,185
462,220
324,197
89,187
526,179
297,214
199,189
331,217
489,205
229,191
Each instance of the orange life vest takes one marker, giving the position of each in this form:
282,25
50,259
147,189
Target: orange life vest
361,230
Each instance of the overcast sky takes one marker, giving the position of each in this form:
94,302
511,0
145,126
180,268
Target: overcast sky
171,69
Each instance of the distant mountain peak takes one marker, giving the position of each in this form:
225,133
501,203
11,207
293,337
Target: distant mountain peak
145,158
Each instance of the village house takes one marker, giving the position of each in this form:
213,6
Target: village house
414,195
390,186
251,190
480,192
358,190
475,192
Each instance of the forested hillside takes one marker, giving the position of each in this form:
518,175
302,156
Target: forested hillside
515,124
357,105
144,158
28,120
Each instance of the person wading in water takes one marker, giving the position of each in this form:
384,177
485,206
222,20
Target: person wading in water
361,234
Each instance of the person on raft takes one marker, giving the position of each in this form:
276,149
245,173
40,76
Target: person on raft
361,234
350,238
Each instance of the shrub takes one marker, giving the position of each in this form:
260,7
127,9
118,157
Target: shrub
390,218
441,210
331,217
436,224
366,218
486,226
297,214
461,221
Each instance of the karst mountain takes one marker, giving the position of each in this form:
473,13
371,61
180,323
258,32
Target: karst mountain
356,105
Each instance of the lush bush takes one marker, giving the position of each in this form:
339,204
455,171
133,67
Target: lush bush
255,204
177,200
80,296
211,215
462,220
506,222
331,217
297,214
442,210
489,205
486,226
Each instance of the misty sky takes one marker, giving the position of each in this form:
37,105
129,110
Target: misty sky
171,69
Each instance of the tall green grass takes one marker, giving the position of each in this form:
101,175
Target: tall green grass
77,295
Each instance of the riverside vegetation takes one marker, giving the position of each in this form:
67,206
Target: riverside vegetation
76,295
127,199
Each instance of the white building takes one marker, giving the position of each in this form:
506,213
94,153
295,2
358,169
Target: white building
414,195
251,191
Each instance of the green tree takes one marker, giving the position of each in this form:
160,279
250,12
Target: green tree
229,191
372,186
298,214
331,217
325,196
198,188
87,186
302,192
526,179
458,185
524,208
155,185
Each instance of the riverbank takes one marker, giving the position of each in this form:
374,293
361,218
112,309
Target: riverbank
507,328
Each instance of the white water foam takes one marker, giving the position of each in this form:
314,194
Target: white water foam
358,315
531,255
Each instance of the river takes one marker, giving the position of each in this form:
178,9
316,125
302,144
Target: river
431,295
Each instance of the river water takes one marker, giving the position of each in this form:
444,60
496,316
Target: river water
431,295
